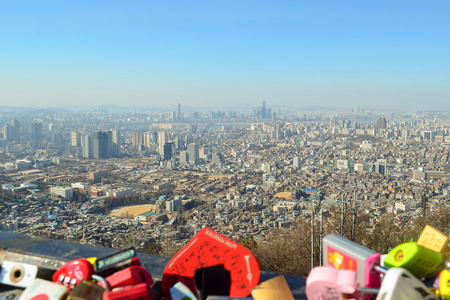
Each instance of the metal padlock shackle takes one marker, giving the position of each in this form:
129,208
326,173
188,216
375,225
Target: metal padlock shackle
102,280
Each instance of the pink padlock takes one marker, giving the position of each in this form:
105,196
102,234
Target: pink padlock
329,283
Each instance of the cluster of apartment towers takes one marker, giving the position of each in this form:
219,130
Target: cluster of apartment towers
106,144
11,132
167,145
98,144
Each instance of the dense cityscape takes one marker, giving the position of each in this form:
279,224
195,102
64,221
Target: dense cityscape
244,173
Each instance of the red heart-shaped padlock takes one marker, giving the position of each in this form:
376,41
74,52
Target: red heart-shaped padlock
206,249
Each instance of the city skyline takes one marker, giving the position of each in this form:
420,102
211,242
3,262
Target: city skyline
377,55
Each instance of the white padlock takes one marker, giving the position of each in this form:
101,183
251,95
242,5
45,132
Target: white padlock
400,284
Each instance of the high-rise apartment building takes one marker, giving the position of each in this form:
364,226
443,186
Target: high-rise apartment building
162,139
15,130
177,143
173,205
380,167
87,146
76,138
189,139
53,130
154,137
193,153
102,144
137,139
184,157
168,151
296,162
7,132
428,136
36,131
116,141
381,123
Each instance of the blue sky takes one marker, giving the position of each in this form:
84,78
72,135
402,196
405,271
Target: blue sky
377,54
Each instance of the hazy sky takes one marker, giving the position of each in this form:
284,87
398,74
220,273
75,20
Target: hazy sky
379,54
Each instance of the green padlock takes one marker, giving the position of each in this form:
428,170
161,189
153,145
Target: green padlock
418,260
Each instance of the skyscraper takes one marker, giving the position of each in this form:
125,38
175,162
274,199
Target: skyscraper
7,132
179,111
87,146
296,162
97,142
193,153
189,139
36,131
168,150
162,139
15,130
380,167
53,129
116,142
102,144
177,143
381,123
263,110
428,136
76,138
137,139
184,157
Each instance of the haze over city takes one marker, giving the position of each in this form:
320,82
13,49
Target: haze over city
323,54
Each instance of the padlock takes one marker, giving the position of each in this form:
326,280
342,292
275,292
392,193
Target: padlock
209,248
43,289
330,283
418,260
73,272
179,292
86,290
129,276
343,254
435,240
113,263
400,284
17,274
133,292
444,284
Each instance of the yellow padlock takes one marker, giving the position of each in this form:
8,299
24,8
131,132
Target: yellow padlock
444,285
435,240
